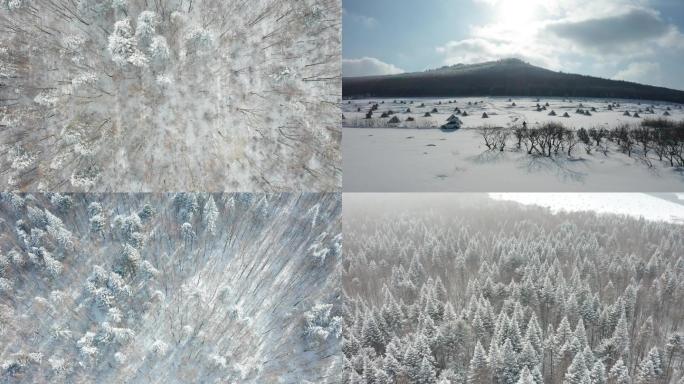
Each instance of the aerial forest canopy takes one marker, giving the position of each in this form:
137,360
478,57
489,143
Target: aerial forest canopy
469,290
169,288
172,95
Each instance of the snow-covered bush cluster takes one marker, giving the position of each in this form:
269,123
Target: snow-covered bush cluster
133,95
653,141
468,290
110,289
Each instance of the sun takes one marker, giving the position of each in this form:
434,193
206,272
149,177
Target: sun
517,16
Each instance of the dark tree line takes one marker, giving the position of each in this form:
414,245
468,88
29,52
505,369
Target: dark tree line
653,138
501,78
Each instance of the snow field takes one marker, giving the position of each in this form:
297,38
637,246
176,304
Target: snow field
383,158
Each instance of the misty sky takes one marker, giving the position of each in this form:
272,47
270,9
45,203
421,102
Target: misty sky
658,207
635,40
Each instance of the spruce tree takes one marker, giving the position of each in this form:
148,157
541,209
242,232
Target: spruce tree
510,368
598,373
651,369
533,334
655,357
211,214
370,333
646,374
478,371
411,362
426,374
381,377
525,377
621,337
577,372
369,370
581,334
619,373
528,356
563,333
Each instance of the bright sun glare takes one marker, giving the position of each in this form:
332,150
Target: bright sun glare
517,16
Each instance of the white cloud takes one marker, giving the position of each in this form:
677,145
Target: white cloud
614,33
477,50
366,21
673,39
566,35
559,9
368,66
640,72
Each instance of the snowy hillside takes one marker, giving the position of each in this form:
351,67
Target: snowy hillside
142,288
502,77
447,288
133,95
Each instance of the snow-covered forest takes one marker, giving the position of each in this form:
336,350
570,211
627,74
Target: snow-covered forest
170,95
464,289
165,288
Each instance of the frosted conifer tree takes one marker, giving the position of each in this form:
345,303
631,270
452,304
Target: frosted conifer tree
577,372
525,377
478,372
210,214
619,374
598,374
426,374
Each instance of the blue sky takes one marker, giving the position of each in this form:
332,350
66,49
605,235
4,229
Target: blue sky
635,40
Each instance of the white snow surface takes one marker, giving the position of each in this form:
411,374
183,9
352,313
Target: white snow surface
501,112
416,156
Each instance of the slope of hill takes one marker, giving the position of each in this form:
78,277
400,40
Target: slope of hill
510,77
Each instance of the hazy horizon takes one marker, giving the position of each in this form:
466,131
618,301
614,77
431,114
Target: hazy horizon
633,40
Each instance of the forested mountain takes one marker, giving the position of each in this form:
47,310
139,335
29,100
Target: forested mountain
175,288
510,77
469,290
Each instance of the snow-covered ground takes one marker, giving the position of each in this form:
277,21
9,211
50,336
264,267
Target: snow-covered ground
501,112
650,207
413,157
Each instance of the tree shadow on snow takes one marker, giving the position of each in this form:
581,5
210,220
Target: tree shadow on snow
487,157
679,173
559,166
